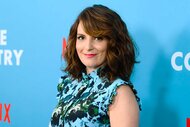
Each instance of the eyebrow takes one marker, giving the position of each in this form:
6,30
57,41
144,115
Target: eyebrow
80,34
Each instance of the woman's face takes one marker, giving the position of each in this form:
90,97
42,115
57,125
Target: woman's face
91,50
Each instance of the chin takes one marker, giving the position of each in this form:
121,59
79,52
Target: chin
91,66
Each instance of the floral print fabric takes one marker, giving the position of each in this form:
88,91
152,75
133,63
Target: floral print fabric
85,103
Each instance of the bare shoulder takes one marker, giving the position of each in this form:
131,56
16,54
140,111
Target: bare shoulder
125,91
124,110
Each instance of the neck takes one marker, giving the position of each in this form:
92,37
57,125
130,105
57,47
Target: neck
89,70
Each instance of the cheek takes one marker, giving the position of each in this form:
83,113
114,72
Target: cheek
103,53
102,49
78,47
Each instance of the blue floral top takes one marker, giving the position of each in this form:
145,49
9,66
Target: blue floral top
85,103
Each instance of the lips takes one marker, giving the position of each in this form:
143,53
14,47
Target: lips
90,55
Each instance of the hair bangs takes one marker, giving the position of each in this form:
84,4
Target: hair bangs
93,26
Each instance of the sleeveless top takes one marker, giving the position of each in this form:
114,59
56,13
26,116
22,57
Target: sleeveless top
85,103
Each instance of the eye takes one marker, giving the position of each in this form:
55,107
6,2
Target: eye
80,37
98,38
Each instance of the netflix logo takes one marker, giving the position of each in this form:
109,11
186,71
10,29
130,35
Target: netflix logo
188,122
4,113
64,45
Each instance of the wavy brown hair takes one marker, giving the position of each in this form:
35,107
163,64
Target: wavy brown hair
100,21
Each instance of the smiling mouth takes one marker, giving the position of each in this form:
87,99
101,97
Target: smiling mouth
90,55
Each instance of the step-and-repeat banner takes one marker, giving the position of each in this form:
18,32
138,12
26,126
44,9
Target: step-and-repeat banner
31,38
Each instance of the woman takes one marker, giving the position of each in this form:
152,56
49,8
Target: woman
96,91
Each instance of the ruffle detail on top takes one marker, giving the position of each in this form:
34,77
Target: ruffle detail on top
114,92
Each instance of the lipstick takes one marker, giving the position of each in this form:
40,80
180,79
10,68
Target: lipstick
90,55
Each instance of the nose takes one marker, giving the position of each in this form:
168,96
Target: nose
89,44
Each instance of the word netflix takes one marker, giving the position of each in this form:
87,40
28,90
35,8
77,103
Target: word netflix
188,122
4,112
8,57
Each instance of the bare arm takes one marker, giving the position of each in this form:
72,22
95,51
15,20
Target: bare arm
124,111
